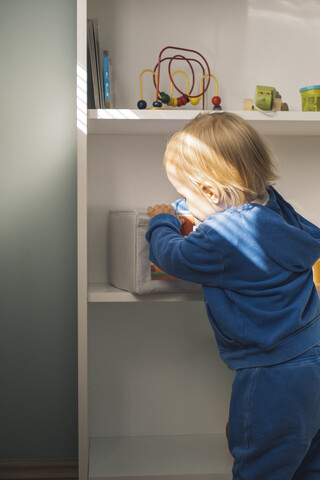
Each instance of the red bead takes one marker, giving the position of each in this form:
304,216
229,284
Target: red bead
183,100
180,101
216,100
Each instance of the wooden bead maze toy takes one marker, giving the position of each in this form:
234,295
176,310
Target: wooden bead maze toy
188,95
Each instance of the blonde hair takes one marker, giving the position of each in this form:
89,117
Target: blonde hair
223,151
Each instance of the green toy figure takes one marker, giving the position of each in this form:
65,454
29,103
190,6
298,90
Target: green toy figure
267,99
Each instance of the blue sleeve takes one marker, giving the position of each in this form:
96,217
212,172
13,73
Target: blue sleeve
192,258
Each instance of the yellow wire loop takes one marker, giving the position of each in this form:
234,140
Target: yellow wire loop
140,80
214,78
187,81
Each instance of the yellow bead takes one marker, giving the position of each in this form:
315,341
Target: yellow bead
175,102
170,103
194,100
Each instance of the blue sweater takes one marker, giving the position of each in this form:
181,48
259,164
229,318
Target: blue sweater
255,265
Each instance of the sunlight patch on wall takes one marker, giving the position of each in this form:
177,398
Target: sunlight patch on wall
304,14
82,99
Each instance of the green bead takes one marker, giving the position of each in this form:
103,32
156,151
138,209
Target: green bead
164,97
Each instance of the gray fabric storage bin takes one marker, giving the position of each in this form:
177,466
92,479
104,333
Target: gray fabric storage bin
129,266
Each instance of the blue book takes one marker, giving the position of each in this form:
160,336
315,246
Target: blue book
107,79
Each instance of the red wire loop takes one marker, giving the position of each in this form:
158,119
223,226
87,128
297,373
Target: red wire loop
171,78
180,57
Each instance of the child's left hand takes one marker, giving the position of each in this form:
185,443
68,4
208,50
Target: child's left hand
152,211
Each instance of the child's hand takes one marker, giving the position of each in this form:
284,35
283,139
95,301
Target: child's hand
152,211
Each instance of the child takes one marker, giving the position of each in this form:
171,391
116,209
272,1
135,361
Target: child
253,254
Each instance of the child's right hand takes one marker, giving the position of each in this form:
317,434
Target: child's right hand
164,208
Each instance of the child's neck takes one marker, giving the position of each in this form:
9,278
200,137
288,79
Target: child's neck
262,200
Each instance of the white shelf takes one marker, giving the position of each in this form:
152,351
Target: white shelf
163,457
125,121
101,292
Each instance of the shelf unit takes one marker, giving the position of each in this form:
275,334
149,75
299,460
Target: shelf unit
153,394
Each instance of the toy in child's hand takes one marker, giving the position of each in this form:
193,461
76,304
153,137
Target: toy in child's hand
186,96
163,208
266,99
187,226
316,274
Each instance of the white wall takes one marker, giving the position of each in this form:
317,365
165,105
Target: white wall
246,42
126,398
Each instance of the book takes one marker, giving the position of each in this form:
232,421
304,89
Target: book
95,70
107,80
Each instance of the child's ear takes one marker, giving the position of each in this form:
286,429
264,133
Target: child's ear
211,194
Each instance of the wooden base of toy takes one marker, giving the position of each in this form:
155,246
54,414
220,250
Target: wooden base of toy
247,104
277,105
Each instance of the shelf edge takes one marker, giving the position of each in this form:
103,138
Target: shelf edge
105,293
126,121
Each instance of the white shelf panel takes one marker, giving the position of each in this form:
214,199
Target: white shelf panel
101,292
153,122
196,457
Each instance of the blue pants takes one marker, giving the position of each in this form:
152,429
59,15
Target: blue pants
274,422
